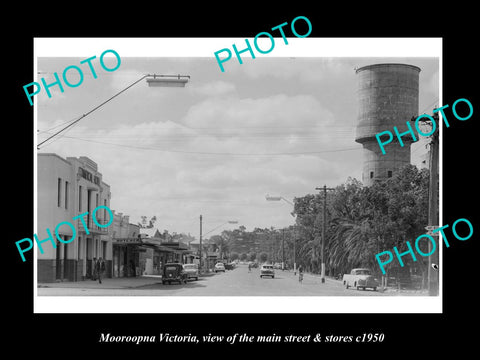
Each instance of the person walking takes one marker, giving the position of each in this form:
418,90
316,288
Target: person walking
100,269
132,268
300,274
94,269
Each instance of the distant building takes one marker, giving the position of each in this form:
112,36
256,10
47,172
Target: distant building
67,188
152,232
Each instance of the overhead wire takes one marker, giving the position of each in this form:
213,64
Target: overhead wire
89,112
138,147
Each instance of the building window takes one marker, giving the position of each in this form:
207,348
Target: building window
66,194
80,198
389,173
59,192
371,174
105,210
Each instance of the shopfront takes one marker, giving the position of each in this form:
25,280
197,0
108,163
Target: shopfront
179,252
155,256
126,257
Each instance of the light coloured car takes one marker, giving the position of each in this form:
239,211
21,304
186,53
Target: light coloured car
219,267
267,270
360,278
191,270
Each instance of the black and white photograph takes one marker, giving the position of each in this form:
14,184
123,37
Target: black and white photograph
184,182
264,181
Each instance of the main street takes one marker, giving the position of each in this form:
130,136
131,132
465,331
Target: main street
237,282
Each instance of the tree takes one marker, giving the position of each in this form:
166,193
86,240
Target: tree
363,221
263,257
407,214
307,210
220,244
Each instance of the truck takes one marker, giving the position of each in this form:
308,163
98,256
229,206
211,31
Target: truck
360,278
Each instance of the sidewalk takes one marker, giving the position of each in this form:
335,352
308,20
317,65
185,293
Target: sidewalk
107,283
388,289
111,283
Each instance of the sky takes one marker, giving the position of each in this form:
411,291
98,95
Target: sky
272,125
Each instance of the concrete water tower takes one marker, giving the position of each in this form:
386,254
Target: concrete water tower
388,97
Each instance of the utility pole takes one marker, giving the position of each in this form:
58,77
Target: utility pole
322,255
294,250
200,248
433,220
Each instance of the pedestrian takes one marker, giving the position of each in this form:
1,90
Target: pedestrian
94,269
249,267
132,268
100,269
300,273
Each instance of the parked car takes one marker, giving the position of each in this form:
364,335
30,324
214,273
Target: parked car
230,266
219,267
173,272
267,270
360,278
191,270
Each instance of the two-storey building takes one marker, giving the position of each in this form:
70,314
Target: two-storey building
67,188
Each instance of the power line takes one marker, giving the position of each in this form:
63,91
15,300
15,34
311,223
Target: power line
89,112
138,147
56,126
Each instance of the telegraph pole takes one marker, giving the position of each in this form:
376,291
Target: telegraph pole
324,229
294,250
433,220
200,248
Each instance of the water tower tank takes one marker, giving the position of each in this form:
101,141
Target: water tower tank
388,97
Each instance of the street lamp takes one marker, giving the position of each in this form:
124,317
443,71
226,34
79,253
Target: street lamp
201,225
152,80
279,198
227,222
167,80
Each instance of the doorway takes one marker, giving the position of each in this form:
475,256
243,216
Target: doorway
58,262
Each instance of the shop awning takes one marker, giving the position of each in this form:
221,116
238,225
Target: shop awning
153,243
126,241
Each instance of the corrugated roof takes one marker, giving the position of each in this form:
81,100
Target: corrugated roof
150,232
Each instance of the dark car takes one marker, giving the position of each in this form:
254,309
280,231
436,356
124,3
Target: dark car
174,272
230,266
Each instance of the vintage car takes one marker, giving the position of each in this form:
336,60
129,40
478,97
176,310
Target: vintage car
267,270
191,270
360,278
173,272
230,266
219,267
